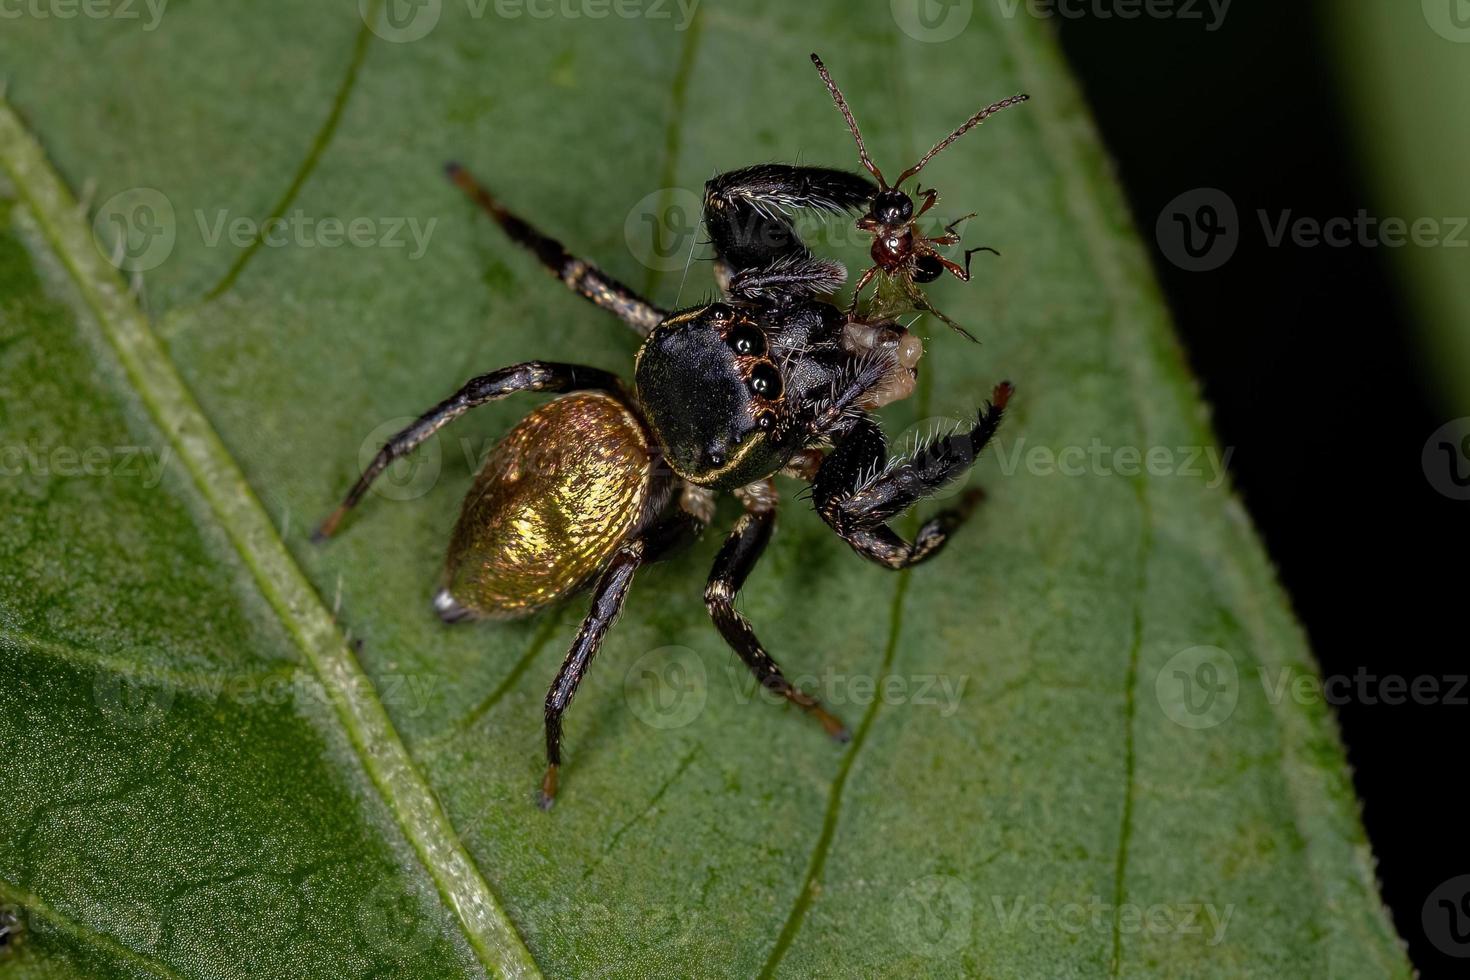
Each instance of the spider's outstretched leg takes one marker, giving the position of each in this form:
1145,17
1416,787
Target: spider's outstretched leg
582,278
691,511
747,213
742,549
857,496
530,376
607,601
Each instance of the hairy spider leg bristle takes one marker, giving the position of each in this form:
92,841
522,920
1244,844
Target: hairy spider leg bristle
964,128
852,125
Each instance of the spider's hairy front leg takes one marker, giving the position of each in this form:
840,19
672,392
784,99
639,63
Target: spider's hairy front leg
742,549
798,277
607,601
581,277
529,376
857,492
747,211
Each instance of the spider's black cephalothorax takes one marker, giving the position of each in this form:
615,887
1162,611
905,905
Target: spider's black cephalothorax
773,378
900,250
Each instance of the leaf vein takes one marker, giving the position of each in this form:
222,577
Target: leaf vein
224,489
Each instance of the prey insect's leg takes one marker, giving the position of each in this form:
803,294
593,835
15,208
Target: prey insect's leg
747,211
530,376
858,506
857,290
582,278
931,198
607,602
742,549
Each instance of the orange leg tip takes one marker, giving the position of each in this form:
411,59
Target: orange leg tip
832,725
546,795
328,527
1002,394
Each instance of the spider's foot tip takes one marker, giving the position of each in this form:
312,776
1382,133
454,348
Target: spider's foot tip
449,608
546,793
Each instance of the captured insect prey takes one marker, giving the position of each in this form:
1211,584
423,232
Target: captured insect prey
771,378
900,250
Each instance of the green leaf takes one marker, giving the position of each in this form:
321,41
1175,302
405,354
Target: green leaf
228,753
1400,62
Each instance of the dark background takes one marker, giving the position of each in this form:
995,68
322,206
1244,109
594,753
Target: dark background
1310,357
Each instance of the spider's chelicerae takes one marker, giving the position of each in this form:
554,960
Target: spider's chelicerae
725,395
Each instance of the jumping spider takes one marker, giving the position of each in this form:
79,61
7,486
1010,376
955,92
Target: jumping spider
900,250
771,379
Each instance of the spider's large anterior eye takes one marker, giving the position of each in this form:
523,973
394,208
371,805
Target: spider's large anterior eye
765,381
748,340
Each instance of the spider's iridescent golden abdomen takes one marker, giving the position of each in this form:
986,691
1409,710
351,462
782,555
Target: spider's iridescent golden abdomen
548,508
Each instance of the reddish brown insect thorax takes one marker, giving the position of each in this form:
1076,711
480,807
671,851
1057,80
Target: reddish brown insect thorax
892,247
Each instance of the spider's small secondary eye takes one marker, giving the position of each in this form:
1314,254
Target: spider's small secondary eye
720,313
748,340
765,381
766,421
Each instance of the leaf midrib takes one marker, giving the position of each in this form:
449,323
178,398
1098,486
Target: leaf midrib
219,481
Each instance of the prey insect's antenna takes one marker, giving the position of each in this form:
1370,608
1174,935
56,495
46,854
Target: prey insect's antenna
968,125
851,122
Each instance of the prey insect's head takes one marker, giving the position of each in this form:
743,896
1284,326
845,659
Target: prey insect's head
891,217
